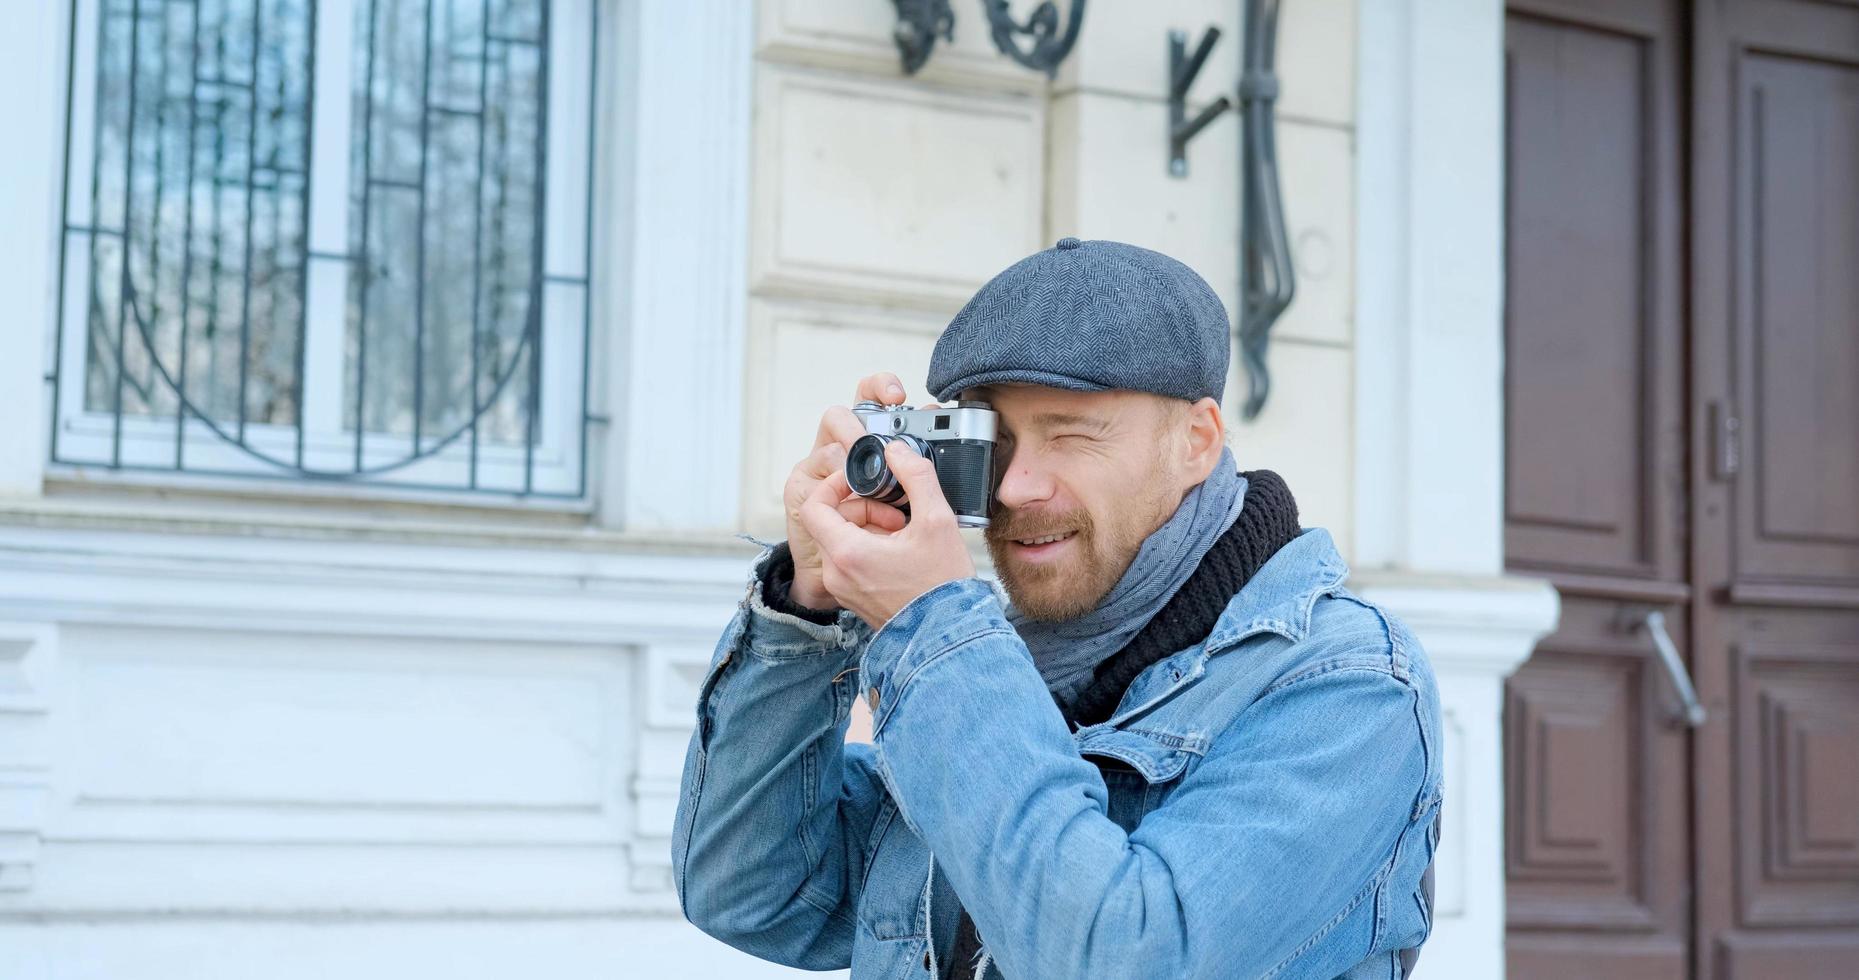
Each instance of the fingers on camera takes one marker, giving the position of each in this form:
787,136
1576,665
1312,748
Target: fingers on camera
839,426
883,387
871,515
825,460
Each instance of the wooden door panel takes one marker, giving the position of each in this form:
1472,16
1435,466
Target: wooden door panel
1577,719
1775,260
1797,775
1581,310
1597,820
1595,791
1797,508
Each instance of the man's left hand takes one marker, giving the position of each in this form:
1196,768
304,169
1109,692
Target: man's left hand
875,572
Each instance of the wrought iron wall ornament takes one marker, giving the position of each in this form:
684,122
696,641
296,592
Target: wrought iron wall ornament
1049,46
1181,72
1267,280
920,22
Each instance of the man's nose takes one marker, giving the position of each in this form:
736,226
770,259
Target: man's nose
1022,483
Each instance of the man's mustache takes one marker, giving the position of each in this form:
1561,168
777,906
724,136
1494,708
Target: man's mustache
1006,525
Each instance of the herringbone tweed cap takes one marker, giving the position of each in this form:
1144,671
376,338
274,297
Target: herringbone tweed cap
1089,316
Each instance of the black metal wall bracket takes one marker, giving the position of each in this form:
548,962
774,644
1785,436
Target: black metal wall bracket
1182,68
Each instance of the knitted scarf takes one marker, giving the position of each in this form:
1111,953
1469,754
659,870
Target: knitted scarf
1067,651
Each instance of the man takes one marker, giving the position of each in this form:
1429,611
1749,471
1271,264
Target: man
1184,750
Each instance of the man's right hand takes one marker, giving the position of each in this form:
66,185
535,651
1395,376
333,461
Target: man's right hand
839,429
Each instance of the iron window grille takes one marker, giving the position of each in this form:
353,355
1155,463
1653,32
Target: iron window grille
331,240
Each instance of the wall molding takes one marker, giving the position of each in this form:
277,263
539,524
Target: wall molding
28,668
588,625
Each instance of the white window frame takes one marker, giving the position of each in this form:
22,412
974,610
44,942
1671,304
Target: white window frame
85,440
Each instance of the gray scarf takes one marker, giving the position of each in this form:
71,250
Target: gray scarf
1066,652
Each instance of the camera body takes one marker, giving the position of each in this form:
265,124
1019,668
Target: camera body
959,440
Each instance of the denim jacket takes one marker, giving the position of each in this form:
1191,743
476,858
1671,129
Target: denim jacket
1262,804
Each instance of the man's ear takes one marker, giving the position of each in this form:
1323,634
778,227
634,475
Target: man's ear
1206,438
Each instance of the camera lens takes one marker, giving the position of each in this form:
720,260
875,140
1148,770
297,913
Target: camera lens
866,471
867,468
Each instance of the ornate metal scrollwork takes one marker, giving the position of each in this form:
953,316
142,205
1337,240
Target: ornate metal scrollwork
1049,46
920,22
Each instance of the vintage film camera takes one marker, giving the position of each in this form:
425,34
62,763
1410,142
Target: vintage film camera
959,440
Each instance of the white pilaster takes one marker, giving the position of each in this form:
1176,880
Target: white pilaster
1429,413
32,59
675,241
1429,405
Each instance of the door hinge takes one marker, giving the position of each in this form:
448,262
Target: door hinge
1726,435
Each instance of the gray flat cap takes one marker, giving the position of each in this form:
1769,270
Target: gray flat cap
1089,316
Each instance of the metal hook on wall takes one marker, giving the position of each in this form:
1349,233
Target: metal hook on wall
1181,72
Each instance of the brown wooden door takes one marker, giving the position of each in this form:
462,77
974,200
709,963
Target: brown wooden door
1776,322
1682,437
1597,796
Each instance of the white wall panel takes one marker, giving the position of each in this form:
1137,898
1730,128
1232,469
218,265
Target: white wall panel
892,192
1317,42
1303,434
184,733
1318,168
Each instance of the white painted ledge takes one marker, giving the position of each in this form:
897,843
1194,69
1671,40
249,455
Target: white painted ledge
1482,626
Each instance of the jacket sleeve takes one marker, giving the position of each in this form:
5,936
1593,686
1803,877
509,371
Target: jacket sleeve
1264,848
774,809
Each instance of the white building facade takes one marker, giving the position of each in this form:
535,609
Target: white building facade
256,720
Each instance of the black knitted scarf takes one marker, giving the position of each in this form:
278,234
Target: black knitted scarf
1267,521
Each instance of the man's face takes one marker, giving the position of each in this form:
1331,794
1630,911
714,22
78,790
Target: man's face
1085,478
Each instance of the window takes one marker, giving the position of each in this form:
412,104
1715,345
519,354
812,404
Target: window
345,240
